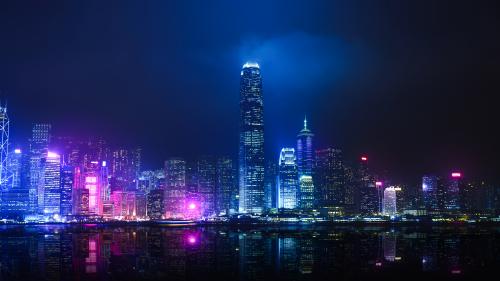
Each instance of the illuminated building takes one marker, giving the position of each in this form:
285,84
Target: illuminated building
305,154
94,195
430,193
270,185
14,200
39,147
107,204
156,204
4,148
206,185
389,201
452,193
52,184
288,185
140,205
368,192
306,192
175,188
329,178
125,166
251,141
67,183
225,186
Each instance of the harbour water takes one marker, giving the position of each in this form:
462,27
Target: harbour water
100,252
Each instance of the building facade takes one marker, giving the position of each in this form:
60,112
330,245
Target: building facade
251,141
288,183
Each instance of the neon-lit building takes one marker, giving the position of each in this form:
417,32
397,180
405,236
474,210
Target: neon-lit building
52,184
389,201
105,186
305,153
91,184
67,185
14,200
306,192
251,141
39,147
452,192
288,183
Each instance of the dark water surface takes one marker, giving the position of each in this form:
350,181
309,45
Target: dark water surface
223,253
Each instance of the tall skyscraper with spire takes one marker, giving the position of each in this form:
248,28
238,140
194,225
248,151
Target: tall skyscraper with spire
305,151
251,143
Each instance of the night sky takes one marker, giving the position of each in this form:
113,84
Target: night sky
409,83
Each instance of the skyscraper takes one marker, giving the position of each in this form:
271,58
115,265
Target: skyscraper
452,193
39,147
14,199
270,184
225,186
306,192
288,183
305,154
368,191
251,142
329,178
52,184
67,182
430,193
207,178
389,201
175,189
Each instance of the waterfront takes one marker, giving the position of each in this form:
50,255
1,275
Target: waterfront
97,252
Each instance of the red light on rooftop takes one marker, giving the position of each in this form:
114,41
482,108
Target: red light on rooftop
364,158
456,175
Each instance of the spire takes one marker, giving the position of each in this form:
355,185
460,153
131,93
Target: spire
305,122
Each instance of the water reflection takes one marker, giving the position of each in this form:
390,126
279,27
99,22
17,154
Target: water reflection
154,253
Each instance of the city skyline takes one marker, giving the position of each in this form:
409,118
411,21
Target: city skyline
370,83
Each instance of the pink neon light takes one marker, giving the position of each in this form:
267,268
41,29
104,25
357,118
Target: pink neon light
456,175
378,183
90,179
192,206
192,240
52,155
364,158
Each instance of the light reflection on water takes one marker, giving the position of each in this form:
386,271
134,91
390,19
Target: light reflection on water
155,253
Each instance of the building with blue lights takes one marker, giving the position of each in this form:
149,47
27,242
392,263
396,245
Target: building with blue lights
67,183
52,184
251,141
39,147
306,192
305,154
288,182
430,193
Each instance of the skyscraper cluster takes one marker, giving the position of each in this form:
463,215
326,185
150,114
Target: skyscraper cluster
60,178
